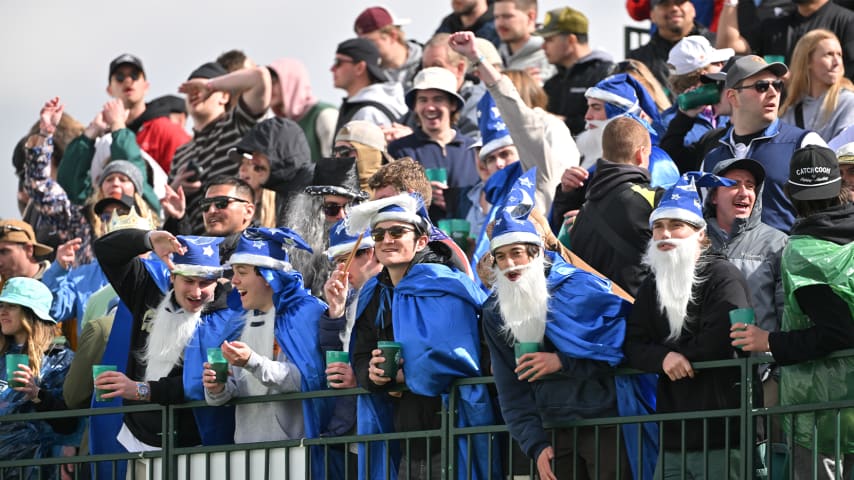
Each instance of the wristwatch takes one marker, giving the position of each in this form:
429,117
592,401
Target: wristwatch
143,391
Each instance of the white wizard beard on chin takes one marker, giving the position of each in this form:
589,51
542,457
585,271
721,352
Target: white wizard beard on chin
524,303
589,142
675,277
169,335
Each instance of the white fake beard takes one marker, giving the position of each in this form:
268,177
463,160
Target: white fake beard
675,278
170,332
589,142
524,303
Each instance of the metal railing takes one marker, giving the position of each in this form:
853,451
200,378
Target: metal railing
290,459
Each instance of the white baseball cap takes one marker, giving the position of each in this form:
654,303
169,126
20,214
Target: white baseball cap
695,52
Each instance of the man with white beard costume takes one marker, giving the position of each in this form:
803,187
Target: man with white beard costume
579,325
170,334
681,316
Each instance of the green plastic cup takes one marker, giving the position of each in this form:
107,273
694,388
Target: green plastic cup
12,361
335,356
97,370
437,175
218,364
391,353
521,348
742,315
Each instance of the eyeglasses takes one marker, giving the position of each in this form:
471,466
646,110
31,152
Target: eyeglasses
120,77
339,61
395,232
343,151
762,86
332,209
220,203
343,258
13,228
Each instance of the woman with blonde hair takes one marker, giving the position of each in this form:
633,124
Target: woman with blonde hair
819,97
38,371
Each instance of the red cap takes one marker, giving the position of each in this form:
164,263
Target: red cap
375,18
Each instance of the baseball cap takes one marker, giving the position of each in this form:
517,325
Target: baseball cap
125,59
719,76
18,231
845,154
208,70
814,174
755,168
563,20
748,66
363,50
693,53
375,18
125,201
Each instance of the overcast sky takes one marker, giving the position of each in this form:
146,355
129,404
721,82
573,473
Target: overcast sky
55,47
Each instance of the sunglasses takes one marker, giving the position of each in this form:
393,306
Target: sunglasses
220,203
338,61
343,258
343,151
762,86
120,77
395,232
332,209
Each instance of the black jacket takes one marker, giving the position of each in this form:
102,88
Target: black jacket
704,337
689,158
612,230
566,88
117,253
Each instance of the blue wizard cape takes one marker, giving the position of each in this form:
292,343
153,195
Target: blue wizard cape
216,424
576,294
297,333
435,313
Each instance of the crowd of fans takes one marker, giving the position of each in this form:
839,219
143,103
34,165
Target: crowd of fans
502,199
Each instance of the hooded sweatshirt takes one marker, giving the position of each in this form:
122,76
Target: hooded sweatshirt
530,55
611,232
755,248
410,67
390,95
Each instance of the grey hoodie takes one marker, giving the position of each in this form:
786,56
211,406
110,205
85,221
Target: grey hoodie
388,94
756,249
530,55
410,67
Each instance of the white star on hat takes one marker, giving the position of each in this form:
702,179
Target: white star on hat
258,244
207,251
524,181
675,196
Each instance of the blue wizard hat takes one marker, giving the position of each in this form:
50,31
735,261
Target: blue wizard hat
405,207
341,242
201,258
493,130
267,248
682,201
623,94
511,222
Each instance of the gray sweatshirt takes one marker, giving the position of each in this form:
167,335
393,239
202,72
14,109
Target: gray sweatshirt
262,422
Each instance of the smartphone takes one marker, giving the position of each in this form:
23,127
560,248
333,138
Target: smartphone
192,166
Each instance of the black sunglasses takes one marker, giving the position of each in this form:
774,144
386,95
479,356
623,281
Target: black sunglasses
220,203
395,232
762,86
339,61
120,77
332,209
343,151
